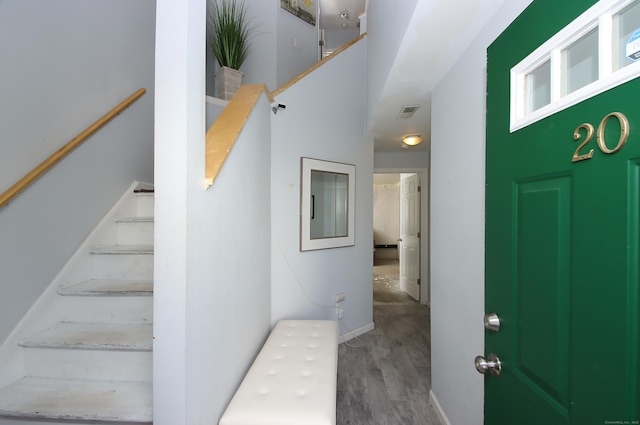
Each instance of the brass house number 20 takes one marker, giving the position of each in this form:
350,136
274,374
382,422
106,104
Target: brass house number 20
624,135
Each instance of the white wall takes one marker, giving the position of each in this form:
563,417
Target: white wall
383,44
261,66
211,310
336,38
457,228
179,122
303,282
64,65
213,109
410,159
291,60
229,269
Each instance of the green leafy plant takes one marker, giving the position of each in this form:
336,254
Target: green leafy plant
228,32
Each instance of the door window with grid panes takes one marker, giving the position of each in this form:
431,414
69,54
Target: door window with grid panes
597,51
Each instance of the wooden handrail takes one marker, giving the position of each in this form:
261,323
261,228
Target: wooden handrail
48,163
224,132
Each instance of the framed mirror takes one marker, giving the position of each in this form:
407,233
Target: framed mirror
327,204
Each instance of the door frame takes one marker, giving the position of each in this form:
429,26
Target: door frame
424,179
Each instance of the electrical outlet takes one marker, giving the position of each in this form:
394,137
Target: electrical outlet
340,297
340,312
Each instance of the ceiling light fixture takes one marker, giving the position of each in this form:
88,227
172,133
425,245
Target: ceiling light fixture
412,139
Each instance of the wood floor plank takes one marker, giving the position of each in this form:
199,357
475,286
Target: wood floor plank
377,394
384,376
352,409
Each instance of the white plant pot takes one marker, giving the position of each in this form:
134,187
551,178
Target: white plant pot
228,81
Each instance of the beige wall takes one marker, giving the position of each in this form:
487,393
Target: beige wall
386,213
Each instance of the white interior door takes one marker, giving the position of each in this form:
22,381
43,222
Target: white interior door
409,242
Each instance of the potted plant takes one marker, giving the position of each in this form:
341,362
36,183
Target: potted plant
228,33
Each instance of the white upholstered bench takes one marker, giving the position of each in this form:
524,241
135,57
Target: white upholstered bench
292,380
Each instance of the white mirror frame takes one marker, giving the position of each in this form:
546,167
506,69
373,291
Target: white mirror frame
306,166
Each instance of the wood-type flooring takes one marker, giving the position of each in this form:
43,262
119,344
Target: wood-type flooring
384,375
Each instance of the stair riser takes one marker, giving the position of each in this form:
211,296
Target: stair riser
122,267
106,309
89,364
145,205
135,233
4,421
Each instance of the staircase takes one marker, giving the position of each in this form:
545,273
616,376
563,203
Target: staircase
83,353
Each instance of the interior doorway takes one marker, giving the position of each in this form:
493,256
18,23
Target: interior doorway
399,251
386,232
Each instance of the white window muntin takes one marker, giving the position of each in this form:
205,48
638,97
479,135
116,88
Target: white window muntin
599,15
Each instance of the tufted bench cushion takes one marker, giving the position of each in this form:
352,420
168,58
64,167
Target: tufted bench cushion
292,380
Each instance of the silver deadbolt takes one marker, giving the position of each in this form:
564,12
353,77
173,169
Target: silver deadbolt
492,322
492,364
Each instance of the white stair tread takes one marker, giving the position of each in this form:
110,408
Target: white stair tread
122,249
146,219
93,336
144,188
66,399
109,287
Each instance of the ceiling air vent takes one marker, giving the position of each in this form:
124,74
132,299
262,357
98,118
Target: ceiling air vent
407,111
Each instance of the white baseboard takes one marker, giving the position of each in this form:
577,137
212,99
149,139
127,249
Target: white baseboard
352,334
436,406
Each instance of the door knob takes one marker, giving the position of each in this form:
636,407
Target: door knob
493,365
492,322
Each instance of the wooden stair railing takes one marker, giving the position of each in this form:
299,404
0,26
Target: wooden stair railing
224,131
56,157
317,65
222,134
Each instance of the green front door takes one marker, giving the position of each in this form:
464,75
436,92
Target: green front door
562,247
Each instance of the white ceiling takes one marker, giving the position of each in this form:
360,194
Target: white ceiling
438,32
